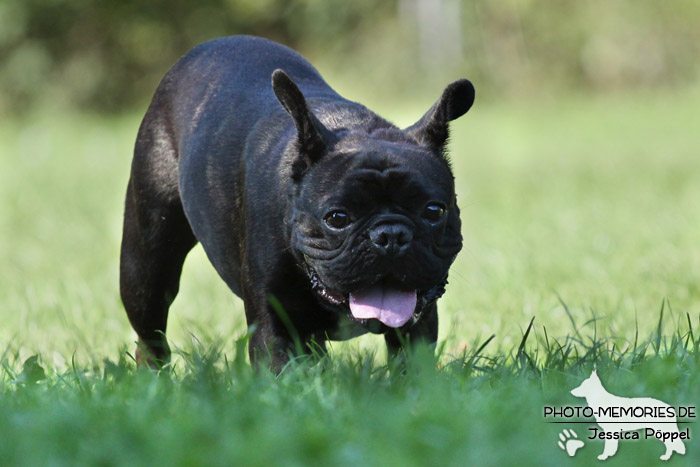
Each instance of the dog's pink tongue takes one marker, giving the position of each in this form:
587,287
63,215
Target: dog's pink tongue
392,307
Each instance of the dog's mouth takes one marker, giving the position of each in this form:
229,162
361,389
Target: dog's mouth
390,306
384,301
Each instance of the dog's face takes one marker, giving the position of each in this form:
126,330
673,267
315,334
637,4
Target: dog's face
377,228
374,220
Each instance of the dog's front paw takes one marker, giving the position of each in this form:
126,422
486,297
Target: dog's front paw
153,355
568,442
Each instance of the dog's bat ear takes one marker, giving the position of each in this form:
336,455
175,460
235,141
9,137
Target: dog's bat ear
312,136
432,129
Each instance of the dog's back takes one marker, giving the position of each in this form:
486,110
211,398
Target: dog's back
231,76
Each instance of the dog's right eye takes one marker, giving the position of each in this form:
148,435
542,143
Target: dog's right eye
337,219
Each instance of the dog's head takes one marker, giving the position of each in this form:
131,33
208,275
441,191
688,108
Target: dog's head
373,220
589,386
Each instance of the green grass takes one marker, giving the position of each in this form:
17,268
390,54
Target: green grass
580,212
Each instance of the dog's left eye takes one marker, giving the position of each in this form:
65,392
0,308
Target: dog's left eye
337,219
433,212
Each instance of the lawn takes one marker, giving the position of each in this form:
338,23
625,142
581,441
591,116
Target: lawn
580,212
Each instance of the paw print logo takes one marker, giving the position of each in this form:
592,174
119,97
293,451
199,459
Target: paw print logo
569,442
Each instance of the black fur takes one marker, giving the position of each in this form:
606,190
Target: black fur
219,161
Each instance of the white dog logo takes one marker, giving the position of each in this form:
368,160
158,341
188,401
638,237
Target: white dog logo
618,415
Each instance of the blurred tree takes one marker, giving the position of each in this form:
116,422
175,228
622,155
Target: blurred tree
110,54
106,54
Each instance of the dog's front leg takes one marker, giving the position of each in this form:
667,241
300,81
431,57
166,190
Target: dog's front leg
425,331
272,340
609,450
266,349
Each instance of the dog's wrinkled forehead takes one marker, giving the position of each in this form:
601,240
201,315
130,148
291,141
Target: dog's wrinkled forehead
385,170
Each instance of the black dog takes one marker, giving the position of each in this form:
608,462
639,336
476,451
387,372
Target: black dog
325,218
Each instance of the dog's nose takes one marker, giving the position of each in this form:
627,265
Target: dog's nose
391,239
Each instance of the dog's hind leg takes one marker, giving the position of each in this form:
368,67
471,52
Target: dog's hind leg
667,455
678,446
673,446
155,241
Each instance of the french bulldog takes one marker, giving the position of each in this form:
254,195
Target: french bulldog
326,219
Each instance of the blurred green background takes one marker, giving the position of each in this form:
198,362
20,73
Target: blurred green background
109,55
577,169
